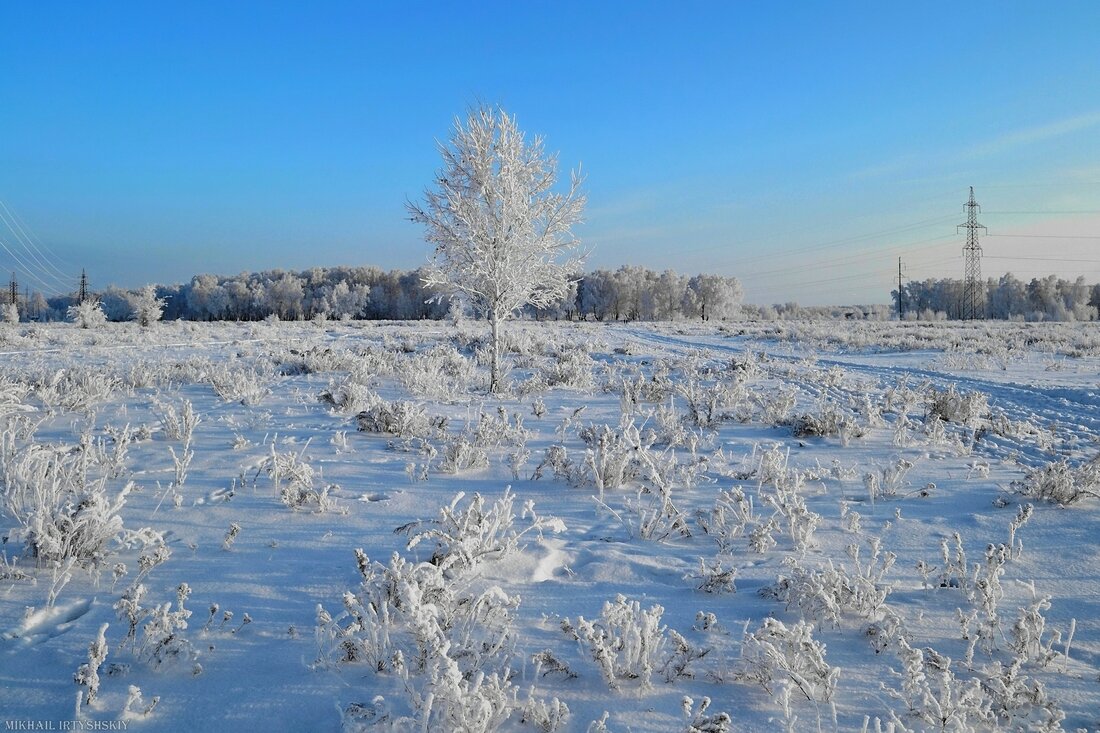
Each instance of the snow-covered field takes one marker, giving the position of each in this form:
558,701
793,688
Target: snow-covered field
303,526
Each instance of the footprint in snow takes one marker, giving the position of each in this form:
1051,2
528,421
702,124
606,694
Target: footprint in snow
46,623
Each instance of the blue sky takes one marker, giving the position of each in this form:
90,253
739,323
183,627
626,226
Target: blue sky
800,146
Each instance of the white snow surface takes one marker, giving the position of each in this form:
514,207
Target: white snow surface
1043,379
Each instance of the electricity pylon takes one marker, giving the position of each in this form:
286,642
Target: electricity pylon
973,299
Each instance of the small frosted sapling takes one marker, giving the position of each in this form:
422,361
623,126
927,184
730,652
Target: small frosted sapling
136,705
87,676
231,536
700,721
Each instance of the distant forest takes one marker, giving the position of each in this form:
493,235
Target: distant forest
627,294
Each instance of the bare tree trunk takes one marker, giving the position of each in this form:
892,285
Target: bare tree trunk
494,369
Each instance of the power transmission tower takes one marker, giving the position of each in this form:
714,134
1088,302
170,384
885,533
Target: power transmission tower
13,291
973,300
83,287
901,293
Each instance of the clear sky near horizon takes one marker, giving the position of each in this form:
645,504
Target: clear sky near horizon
801,146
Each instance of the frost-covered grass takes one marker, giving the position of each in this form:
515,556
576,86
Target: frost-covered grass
673,527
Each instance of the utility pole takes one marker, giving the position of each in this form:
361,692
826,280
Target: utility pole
83,287
901,301
973,299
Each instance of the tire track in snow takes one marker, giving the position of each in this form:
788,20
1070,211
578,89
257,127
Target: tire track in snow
1075,412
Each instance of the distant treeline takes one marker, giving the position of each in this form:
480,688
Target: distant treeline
1006,298
627,294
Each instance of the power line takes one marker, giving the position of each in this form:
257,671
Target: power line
1080,211
1040,259
30,260
1048,236
827,244
34,240
30,271
859,256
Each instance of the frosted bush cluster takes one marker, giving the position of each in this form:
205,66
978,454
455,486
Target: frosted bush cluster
450,638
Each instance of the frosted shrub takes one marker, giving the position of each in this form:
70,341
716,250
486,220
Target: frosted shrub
1027,635
480,703
461,453
146,307
12,394
404,419
714,578
732,514
1023,514
828,421
403,611
934,695
1019,702
182,462
136,706
449,643
570,368
612,456
557,460
709,407
246,385
777,653
294,482
1061,483
791,510
59,513
650,516
9,313
441,373
699,721
625,642
76,389
547,716
87,675
466,535
178,425
829,593
88,314
348,396
985,592
775,407
953,406
161,642
470,448
889,481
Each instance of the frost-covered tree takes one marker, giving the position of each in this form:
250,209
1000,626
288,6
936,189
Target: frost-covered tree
344,300
10,313
145,307
88,314
671,288
206,299
713,296
39,308
284,296
501,234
